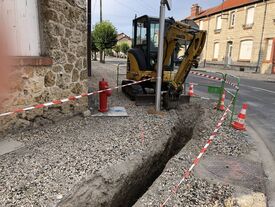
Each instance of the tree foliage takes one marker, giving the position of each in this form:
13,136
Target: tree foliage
93,46
116,48
124,47
104,36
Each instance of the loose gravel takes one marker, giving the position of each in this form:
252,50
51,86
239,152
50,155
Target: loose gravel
57,157
196,191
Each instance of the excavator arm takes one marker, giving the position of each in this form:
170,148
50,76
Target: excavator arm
196,38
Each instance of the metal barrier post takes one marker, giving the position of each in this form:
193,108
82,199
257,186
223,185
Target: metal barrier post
117,75
222,89
235,98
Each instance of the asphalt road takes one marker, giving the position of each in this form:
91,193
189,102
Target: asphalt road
260,96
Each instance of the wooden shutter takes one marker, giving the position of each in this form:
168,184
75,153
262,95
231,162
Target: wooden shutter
246,50
269,49
250,15
216,50
21,18
219,22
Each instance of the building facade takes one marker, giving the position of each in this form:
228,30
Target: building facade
48,47
240,34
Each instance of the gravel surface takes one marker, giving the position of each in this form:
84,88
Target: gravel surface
57,157
196,191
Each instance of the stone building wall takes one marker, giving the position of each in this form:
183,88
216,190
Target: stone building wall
59,72
237,34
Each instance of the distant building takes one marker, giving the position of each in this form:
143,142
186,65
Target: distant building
241,34
121,38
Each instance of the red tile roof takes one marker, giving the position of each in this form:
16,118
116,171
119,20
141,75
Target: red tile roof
226,5
123,36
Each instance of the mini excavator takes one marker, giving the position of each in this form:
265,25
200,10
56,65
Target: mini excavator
142,58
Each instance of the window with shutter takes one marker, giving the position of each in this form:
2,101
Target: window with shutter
219,22
216,50
21,18
250,16
246,50
269,49
201,25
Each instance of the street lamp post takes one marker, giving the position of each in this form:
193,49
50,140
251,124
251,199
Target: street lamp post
163,3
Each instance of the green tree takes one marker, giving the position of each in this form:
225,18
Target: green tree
104,36
94,48
117,48
124,47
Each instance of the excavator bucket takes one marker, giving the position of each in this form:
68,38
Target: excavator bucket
145,99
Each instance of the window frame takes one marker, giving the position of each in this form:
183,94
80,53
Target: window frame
233,13
214,51
201,24
246,17
217,20
267,49
240,49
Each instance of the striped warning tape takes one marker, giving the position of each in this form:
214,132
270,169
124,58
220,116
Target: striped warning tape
206,76
196,161
214,78
71,98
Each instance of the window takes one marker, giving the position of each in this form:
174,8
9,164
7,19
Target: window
201,25
246,50
232,19
21,18
154,33
141,33
269,49
250,16
219,23
216,50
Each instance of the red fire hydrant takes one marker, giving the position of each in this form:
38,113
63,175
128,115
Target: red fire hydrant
103,96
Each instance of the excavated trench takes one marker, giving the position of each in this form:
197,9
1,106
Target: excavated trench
123,184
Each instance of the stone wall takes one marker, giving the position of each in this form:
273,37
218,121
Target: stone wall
237,33
34,80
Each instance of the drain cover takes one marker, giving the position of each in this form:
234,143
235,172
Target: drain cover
235,171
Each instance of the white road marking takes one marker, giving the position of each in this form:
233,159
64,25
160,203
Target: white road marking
257,88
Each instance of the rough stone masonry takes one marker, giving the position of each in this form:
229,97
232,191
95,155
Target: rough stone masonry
59,72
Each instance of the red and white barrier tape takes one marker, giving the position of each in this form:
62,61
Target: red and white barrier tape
196,161
213,78
206,76
71,98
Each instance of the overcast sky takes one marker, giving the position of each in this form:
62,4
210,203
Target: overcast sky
122,12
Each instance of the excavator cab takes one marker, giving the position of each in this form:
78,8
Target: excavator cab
146,40
142,57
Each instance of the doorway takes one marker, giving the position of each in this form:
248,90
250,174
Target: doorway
228,55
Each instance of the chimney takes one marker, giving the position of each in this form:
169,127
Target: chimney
195,10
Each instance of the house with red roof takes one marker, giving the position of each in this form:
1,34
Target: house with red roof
241,34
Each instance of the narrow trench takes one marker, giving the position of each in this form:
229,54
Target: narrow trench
151,169
123,185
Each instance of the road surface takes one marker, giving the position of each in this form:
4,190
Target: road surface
260,96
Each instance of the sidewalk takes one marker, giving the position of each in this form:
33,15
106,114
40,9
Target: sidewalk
248,75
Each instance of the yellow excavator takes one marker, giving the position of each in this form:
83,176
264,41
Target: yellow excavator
142,58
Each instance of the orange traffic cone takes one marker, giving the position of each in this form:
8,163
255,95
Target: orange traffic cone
191,90
222,108
240,123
